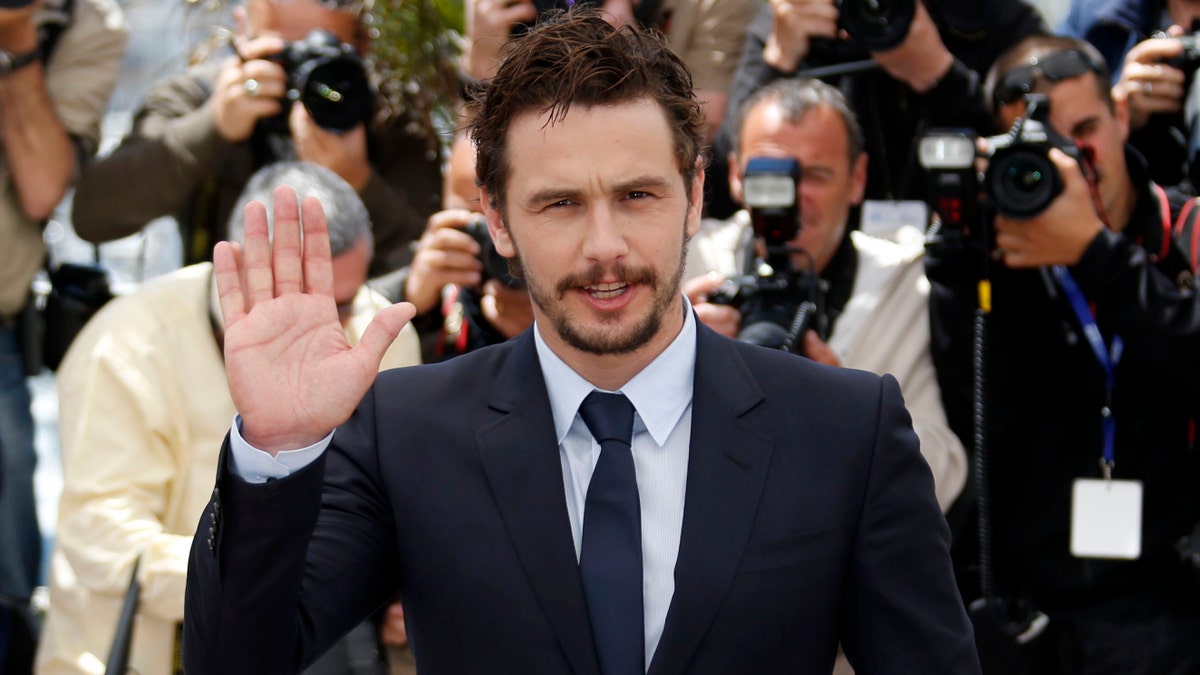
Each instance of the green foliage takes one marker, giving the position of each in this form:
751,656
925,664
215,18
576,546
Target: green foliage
415,50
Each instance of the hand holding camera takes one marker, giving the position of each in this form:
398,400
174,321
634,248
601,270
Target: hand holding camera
489,25
796,23
446,254
1152,80
268,75
249,88
1060,233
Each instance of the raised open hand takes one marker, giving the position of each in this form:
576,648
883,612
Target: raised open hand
292,374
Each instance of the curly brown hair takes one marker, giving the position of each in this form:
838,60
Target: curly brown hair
575,58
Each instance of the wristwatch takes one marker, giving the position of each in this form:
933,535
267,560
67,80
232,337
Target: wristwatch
10,62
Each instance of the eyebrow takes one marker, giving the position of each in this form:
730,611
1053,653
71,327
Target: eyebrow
1084,124
553,194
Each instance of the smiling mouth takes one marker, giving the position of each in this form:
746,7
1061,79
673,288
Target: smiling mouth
606,291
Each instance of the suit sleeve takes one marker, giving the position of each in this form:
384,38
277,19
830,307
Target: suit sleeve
903,612
278,571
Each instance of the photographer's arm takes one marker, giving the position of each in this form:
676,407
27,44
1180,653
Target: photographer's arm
36,145
186,128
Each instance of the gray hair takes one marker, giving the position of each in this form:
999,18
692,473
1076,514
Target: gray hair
797,98
345,213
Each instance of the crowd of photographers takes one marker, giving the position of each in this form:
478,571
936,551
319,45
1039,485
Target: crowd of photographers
1001,217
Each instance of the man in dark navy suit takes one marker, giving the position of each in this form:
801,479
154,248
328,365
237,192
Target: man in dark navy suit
618,490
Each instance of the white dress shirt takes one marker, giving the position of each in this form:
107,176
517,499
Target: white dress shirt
662,431
661,394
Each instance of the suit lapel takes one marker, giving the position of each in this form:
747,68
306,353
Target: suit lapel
727,467
520,456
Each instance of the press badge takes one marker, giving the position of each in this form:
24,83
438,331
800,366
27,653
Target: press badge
894,219
1106,518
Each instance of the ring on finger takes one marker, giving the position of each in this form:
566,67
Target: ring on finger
1147,87
251,86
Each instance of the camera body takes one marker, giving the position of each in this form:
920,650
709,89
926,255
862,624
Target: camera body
329,79
778,302
495,266
877,25
1021,181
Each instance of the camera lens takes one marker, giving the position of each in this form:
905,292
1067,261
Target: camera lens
1023,182
877,25
336,94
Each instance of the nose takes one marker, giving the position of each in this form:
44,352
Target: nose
604,239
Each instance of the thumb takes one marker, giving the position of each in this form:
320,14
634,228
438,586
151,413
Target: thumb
384,328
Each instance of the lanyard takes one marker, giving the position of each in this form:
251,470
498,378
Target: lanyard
1106,356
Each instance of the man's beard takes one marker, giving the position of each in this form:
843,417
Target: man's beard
598,341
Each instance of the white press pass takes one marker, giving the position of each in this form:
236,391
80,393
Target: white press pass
1106,518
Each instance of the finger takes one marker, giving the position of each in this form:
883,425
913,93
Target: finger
448,260
700,287
1150,51
453,218
256,255
449,239
226,264
285,254
382,331
318,262
260,47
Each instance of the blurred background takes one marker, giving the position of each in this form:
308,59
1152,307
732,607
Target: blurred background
415,42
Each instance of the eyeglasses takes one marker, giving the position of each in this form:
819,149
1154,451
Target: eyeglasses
1054,67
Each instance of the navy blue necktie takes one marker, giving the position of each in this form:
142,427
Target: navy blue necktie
610,560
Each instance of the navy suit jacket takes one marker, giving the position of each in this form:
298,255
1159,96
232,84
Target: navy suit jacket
809,519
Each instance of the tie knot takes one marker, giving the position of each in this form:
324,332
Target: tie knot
608,416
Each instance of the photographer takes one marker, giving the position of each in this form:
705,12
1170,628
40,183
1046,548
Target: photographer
1153,74
875,306
201,134
928,74
59,61
465,298
1089,365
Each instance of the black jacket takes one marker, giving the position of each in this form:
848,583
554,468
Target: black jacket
1044,392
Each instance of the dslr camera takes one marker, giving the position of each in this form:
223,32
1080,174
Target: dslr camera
328,78
1021,181
778,302
495,266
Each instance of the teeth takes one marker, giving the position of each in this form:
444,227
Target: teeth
605,291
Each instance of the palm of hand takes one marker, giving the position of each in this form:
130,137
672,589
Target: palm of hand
292,372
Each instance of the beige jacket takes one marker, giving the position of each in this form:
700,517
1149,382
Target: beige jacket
144,407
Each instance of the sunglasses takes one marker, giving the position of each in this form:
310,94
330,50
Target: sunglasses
1054,67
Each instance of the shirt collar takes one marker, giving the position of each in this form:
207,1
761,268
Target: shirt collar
660,393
